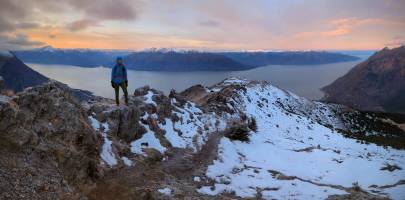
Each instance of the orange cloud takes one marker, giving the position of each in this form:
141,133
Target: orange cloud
337,32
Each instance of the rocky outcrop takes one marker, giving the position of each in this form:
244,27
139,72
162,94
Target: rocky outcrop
377,84
48,148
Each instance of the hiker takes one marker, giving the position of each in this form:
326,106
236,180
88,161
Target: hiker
119,79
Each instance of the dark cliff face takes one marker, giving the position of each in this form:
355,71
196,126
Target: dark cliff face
377,84
17,75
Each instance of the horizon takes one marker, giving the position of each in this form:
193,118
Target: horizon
209,25
204,49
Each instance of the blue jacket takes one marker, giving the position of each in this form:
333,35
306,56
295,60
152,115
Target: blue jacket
119,74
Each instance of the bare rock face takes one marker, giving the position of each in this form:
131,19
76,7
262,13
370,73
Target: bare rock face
377,84
48,149
1,82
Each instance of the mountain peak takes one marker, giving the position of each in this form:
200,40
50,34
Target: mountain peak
4,53
377,84
47,48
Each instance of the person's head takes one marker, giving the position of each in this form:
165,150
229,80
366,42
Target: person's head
119,60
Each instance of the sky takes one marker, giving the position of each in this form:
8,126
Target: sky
198,24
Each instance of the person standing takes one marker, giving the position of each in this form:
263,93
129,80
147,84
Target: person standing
119,79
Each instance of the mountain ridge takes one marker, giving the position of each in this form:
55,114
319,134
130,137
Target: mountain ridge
186,145
176,60
17,75
377,84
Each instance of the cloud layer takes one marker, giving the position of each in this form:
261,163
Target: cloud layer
227,24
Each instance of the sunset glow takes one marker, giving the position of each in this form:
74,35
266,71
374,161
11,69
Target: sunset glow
233,25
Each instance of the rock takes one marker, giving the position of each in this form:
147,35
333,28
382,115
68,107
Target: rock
153,155
142,91
46,129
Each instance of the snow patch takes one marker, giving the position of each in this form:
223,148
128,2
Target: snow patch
107,154
148,140
127,161
196,179
148,98
165,191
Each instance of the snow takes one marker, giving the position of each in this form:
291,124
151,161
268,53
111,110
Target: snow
193,128
277,146
4,99
149,138
127,161
94,123
196,179
397,192
107,154
5,53
166,191
148,98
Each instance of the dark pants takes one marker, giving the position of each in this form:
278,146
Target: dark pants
117,92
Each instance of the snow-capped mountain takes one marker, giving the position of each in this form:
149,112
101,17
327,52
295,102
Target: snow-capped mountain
236,139
174,59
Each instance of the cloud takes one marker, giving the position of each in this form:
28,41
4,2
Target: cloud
18,41
23,40
106,9
209,23
396,41
340,31
82,24
102,10
341,27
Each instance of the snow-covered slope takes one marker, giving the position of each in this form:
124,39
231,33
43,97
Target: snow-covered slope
298,150
292,156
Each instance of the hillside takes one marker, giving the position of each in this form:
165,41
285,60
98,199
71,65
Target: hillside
76,57
17,75
237,139
377,84
182,61
288,58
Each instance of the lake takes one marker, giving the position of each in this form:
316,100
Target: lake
304,80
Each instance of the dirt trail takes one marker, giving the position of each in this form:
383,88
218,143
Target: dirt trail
176,172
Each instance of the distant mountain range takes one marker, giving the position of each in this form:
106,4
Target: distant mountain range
182,61
76,57
172,60
377,84
258,59
17,75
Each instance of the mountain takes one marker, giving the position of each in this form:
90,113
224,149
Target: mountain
237,139
182,61
377,84
288,58
168,59
17,75
76,57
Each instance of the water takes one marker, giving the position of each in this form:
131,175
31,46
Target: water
303,80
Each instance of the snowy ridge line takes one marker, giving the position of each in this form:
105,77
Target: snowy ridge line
296,151
279,133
